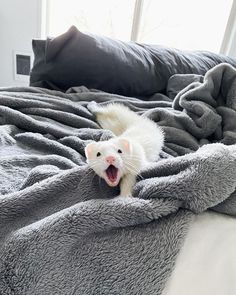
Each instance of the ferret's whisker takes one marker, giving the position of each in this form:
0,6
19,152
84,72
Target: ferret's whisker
132,169
136,174
133,157
99,182
130,164
92,166
87,173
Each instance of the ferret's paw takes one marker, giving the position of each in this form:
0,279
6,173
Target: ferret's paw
126,196
93,107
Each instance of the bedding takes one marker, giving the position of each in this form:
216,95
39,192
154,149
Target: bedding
63,231
126,68
206,263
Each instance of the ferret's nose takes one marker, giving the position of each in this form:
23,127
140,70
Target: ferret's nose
110,160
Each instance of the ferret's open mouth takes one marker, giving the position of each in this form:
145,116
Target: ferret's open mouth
112,175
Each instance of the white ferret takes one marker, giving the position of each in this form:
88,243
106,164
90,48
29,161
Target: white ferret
137,141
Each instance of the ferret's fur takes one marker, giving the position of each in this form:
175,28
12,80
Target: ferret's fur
137,141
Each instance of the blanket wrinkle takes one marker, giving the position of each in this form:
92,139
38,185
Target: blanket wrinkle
183,176
64,231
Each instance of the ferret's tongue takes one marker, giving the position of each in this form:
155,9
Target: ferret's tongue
112,173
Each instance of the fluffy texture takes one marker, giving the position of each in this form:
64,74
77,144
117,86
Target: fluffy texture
137,142
62,232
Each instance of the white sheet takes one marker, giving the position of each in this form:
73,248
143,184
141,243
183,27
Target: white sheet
206,264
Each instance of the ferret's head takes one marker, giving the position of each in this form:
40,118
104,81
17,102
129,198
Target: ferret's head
110,159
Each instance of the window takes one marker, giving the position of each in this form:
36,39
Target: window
112,18
184,24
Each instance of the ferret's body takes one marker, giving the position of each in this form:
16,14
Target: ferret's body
138,140
127,124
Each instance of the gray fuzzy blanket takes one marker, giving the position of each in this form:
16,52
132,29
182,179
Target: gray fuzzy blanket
63,231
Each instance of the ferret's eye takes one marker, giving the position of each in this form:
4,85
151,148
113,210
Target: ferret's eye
119,151
98,154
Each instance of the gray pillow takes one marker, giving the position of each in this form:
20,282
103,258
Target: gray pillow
132,69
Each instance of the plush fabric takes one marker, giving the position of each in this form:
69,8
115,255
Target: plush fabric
64,231
132,69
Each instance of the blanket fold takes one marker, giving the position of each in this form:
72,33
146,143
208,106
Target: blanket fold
201,180
64,231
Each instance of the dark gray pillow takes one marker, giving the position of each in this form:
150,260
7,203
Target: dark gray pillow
132,69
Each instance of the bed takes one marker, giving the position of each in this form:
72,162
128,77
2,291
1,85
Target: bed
63,230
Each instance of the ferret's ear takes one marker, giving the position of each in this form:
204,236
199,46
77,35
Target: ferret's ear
126,144
89,149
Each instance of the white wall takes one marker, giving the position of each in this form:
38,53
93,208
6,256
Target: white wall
19,23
